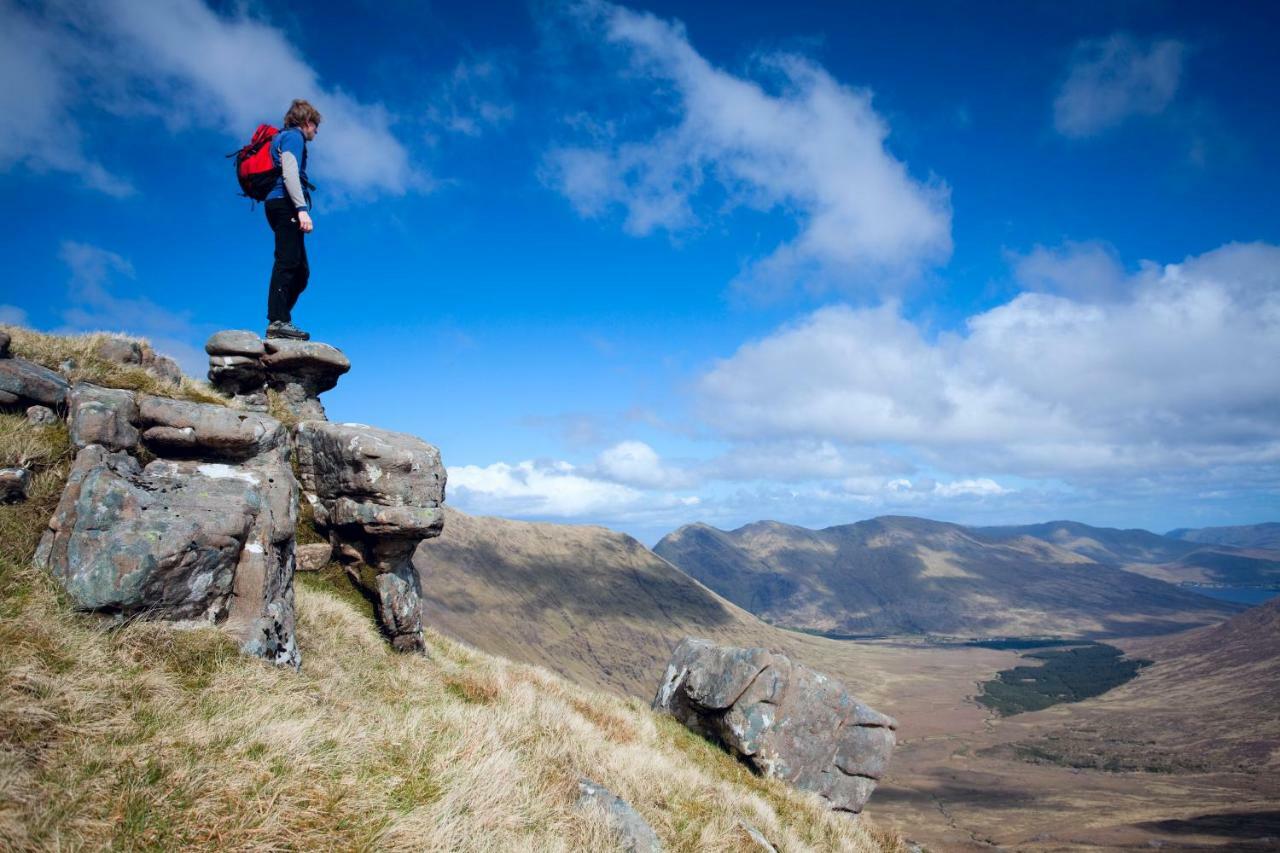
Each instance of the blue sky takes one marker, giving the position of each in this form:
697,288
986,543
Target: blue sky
647,265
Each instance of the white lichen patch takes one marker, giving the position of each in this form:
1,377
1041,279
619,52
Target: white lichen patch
219,471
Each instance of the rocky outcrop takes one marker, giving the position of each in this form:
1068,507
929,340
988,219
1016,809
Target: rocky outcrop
782,718
188,511
204,530
633,832
377,494
127,351
244,367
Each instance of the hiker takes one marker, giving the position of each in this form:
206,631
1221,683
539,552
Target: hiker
288,209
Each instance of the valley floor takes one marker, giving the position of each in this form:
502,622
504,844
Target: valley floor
960,778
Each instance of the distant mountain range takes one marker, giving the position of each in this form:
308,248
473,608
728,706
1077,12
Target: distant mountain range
1208,556
902,575
1265,535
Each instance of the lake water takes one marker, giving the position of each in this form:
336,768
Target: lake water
1241,594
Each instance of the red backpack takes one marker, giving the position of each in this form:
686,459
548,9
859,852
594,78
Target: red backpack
254,169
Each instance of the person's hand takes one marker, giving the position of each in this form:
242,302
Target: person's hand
304,221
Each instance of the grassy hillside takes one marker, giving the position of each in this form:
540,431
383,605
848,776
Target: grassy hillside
156,736
897,575
601,609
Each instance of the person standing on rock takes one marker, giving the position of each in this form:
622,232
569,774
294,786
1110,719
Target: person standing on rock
288,209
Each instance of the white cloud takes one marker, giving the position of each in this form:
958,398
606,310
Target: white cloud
37,91
12,315
96,308
814,148
473,98
1090,272
1114,78
1176,377
551,489
180,60
635,463
798,460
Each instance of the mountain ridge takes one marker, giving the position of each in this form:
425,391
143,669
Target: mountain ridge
909,575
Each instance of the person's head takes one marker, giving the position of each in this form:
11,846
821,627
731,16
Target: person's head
304,117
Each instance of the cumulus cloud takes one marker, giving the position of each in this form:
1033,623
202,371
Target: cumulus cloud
1089,272
181,61
473,98
635,463
96,308
36,126
552,489
1114,78
809,146
1175,377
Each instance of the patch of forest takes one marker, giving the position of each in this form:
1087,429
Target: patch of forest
1065,675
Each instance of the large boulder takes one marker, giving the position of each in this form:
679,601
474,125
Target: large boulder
179,539
782,718
206,532
377,494
24,383
102,416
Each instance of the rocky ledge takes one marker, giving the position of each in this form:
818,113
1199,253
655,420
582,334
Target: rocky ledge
782,718
377,494
188,511
245,367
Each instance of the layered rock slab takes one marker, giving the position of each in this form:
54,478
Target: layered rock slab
782,718
24,383
377,494
245,367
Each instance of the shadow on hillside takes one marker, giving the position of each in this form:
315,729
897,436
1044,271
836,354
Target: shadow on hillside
484,575
1239,825
952,794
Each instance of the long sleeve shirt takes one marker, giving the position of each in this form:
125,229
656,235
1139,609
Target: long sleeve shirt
289,152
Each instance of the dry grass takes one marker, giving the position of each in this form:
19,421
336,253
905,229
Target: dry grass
153,736
80,354
278,409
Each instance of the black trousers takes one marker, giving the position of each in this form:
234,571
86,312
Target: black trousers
290,273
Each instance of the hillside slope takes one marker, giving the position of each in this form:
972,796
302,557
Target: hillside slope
897,575
598,607
1212,692
159,736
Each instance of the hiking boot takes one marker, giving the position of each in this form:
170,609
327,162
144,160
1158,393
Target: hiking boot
278,329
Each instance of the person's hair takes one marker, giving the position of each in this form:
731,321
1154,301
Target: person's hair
300,112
